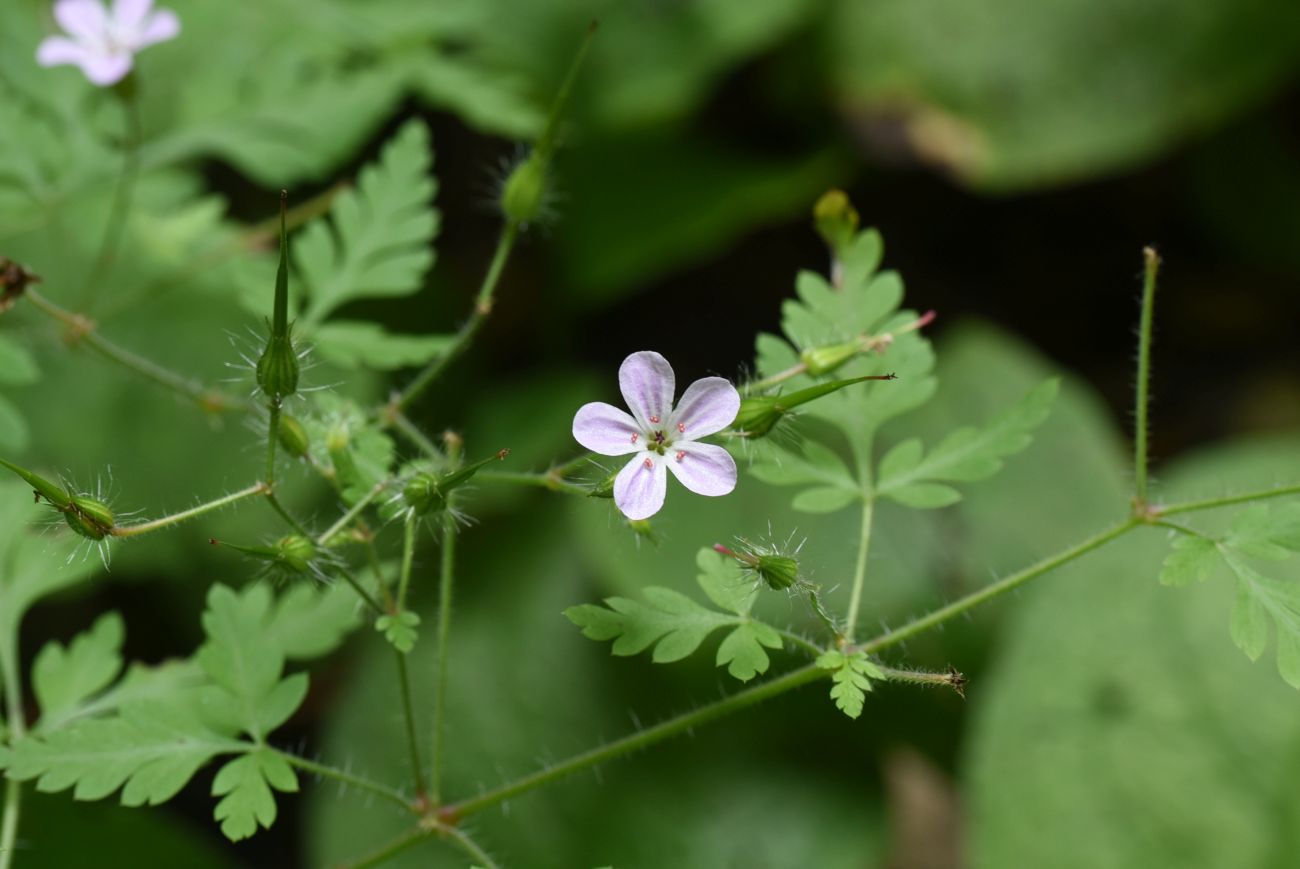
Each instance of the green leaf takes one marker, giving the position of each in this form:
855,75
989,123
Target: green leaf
245,784
63,678
836,486
356,344
1266,531
400,629
852,676
342,438
742,649
724,582
14,433
150,751
1191,560
245,662
966,455
377,242
671,621
1258,598
310,622
17,365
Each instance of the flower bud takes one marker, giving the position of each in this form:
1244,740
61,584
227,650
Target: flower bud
760,413
41,486
605,488
524,192
778,571
277,369
426,492
836,219
823,360
88,517
292,436
295,553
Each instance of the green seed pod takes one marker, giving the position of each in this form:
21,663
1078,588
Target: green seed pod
836,219
524,192
89,518
292,436
824,360
43,487
778,571
296,553
758,415
422,493
277,369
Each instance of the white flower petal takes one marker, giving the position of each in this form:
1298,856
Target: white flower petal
705,469
647,382
129,15
106,69
639,488
708,406
161,26
84,20
603,428
58,50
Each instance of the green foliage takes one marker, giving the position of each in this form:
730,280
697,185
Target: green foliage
676,625
400,629
344,443
852,676
1263,532
64,678
310,621
17,368
913,478
245,787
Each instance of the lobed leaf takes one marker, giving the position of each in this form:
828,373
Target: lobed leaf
356,344
245,784
742,649
1191,560
399,629
63,678
852,676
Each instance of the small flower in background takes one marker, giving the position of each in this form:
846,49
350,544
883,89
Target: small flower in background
102,42
662,438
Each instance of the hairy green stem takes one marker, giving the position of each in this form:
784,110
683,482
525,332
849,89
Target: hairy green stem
402,423
800,640
192,513
347,778
482,308
408,713
408,556
446,583
1228,500
950,679
83,329
272,438
360,589
1152,260
353,512
13,697
859,569
548,480
636,741
470,847
285,514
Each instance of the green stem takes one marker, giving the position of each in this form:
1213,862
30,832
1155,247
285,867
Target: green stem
800,640
446,583
859,570
272,438
286,515
360,589
482,308
417,767
1144,374
1228,500
412,433
408,556
470,847
636,741
9,822
192,513
353,512
84,330
572,465
950,679
548,480
17,729
1001,587
347,778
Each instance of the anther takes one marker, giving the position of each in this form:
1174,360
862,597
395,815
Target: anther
681,428
681,455
649,465
655,420
634,437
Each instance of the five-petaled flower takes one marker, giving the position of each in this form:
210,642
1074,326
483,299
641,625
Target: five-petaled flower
662,438
102,42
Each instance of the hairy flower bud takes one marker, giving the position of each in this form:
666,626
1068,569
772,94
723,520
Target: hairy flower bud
836,219
292,436
823,360
277,369
296,553
524,192
88,517
426,492
778,571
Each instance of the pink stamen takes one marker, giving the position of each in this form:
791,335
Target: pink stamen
634,437
655,420
649,465
681,455
681,427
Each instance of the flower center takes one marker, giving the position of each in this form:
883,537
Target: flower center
656,441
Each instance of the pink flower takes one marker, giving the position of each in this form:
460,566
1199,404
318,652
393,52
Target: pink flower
104,43
662,438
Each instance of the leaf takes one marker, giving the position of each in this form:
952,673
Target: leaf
356,344
1192,560
724,582
837,486
245,783
742,649
965,455
63,678
852,676
17,365
400,629
150,751
377,242
245,662
671,621
343,439
1265,531
310,622
1258,598
14,433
